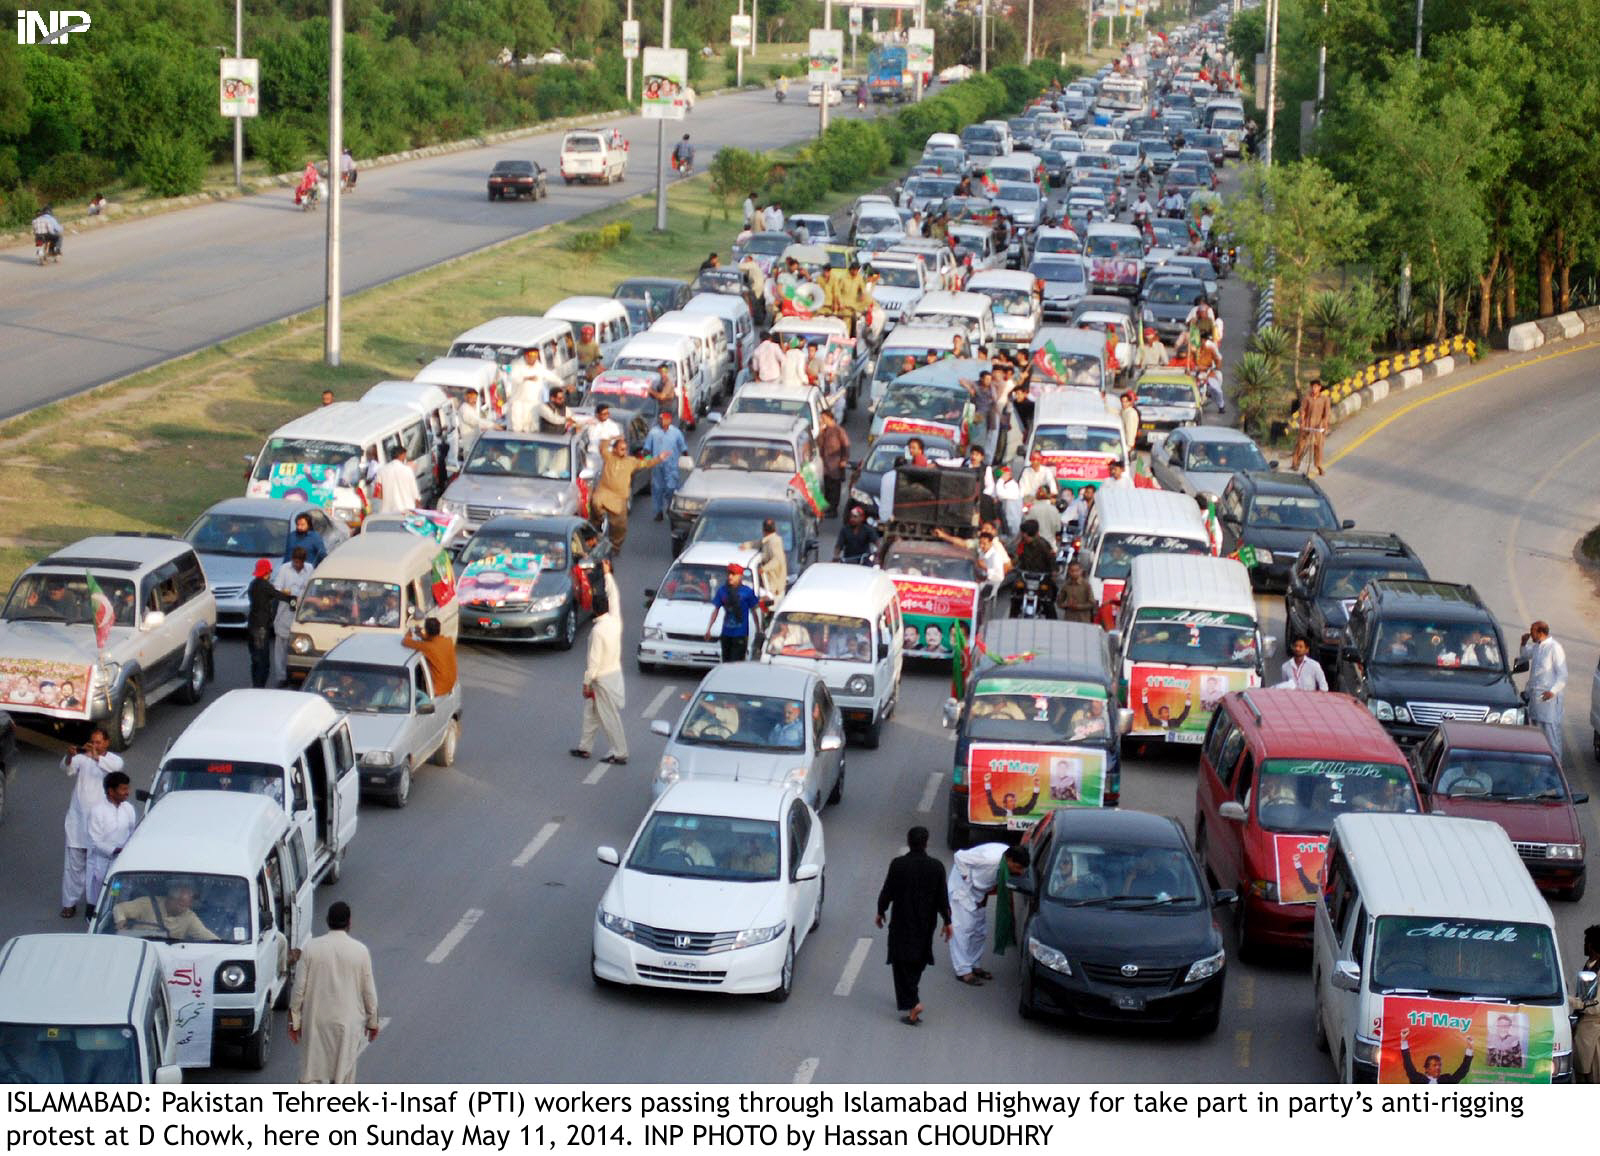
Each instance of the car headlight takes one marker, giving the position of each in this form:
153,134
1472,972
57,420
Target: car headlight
1205,968
378,759
756,936
614,923
235,976
1564,851
1263,555
1381,710
1049,956
859,495
1513,717
668,771
449,506
552,602
300,644
1149,316
1401,714
1264,889
859,684
1492,717
797,775
681,505
654,634
1366,1050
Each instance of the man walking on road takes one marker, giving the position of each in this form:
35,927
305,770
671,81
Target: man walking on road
914,899
604,694
88,766
1316,415
973,878
291,580
334,1004
1547,681
263,599
833,443
111,821
737,603
665,443
1302,672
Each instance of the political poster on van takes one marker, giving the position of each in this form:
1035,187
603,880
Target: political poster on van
930,609
666,77
1298,860
43,686
1448,1041
825,56
1014,786
1177,702
304,482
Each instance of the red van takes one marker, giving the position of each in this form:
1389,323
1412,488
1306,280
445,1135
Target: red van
1277,767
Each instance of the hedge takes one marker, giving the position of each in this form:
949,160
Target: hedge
603,238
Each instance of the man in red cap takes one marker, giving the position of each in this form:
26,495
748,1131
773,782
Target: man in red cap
737,602
263,598
1154,353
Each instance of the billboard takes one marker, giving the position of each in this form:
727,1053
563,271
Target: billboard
666,75
241,87
825,59
919,50
630,40
740,31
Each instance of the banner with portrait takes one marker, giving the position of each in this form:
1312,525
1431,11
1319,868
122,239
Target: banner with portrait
666,76
1177,702
929,611
1298,862
43,686
303,482
1461,1042
825,57
500,579
1014,786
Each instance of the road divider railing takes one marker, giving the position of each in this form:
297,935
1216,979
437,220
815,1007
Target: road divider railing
1400,371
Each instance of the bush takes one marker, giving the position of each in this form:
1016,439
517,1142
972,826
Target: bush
277,144
730,61
172,166
70,176
17,208
601,239
736,172
849,150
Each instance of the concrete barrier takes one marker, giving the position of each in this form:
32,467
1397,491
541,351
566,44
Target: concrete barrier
1522,338
1410,378
1571,324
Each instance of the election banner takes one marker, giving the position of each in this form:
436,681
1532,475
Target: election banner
855,21
435,525
1424,1041
630,40
911,425
241,87
1177,702
666,75
1016,786
740,30
919,50
825,57
1298,860
1078,469
930,608
499,579
43,686
190,998
303,481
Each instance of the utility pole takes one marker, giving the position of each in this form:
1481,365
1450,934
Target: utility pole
1404,303
983,35
827,89
1322,65
1027,45
1419,29
628,64
922,22
1088,21
1272,80
330,334
738,75
238,121
661,128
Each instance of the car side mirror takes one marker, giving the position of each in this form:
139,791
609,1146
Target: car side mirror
1022,885
660,727
1348,524
607,855
1114,637
649,595
714,418
1346,975
1272,465
169,1074
950,714
1124,720
152,619
831,742
1232,810
1223,896
1580,797
426,707
1349,654
142,795
806,871
883,650
1587,988
1519,666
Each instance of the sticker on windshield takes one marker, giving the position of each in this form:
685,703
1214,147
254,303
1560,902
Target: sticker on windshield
1016,786
304,482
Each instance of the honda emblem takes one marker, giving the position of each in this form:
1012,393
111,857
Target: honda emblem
680,941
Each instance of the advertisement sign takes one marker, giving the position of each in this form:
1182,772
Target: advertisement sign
1177,701
630,40
666,75
1298,859
740,31
1114,270
1079,468
191,1010
825,58
919,50
41,686
855,21
1451,1041
1016,786
241,87
911,425
930,608
498,579
304,482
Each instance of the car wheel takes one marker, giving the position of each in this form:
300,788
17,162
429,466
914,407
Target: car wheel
785,986
838,788
646,667
125,718
401,795
258,1048
1319,1034
1575,892
1243,949
335,869
194,688
1206,1023
822,893
491,195
446,754
569,629
872,735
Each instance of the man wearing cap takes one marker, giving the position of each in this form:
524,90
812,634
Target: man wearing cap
1154,354
263,598
794,365
736,602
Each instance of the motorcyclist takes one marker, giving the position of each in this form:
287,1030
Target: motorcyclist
308,182
47,231
1034,556
1172,205
347,171
683,154
1143,210
861,97
783,87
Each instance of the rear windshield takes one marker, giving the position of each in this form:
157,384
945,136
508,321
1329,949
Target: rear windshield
898,276
1113,245
1466,957
922,564
1309,794
1062,271
70,1054
930,402
583,144
738,528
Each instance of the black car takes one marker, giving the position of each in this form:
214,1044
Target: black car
866,485
517,179
1328,575
543,601
1167,304
739,520
1116,922
1417,653
660,294
1273,513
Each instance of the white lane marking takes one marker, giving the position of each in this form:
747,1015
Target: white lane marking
457,933
383,1025
658,702
596,775
930,792
807,1069
852,966
536,844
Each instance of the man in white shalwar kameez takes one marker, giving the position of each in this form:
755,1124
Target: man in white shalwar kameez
1547,681
972,880
88,766
111,821
527,383
334,1005
397,485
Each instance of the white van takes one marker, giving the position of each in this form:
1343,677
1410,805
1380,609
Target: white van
1013,300
737,323
435,405
1187,634
456,375
941,140
913,341
606,315
1080,434
291,747
652,349
220,883
1126,522
1429,931
320,458
596,156
717,369
85,1009
505,340
844,623
972,313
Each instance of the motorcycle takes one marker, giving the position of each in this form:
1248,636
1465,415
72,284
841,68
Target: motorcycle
313,195
47,247
683,166
1029,598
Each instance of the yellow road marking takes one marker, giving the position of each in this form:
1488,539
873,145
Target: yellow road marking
1241,1049
1244,992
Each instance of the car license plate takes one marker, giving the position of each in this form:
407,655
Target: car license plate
1130,1003
1147,425
488,623
681,964
1193,737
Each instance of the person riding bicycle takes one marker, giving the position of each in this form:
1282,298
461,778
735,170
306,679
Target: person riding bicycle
47,231
683,153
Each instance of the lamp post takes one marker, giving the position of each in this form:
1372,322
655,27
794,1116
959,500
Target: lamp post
983,35
1272,80
330,334
627,65
238,121
661,129
1027,45
738,71
827,89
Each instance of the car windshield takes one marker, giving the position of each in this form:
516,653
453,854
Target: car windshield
707,847
1071,272
744,721
1421,642
1010,302
1039,710
304,452
1516,962
514,168
923,563
931,186
1067,369
552,548
692,582
1309,794
350,602
509,457
1079,439
1193,638
174,908
1348,581
898,276
1117,551
1084,874
1224,456
1113,245
757,457
713,526
65,598
1165,393
367,690
1123,148
1174,292
238,535
68,1054
807,634
219,775
1174,234
930,402
1290,512
1507,776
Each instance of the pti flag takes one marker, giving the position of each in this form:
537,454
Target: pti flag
1050,361
810,486
104,614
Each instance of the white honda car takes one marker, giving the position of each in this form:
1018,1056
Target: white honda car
718,889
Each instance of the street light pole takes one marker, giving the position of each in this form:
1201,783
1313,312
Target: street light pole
822,112
238,121
627,66
330,334
1088,21
661,129
983,35
1322,66
738,74
1404,303
1027,45
1272,80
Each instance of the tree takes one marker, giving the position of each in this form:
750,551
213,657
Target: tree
1297,223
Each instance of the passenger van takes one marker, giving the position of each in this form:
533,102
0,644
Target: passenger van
710,338
1186,635
971,313
913,341
588,156
85,1009
682,356
506,340
437,407
220,882
1116,258
320,458
607,316
737,323
1013,300
456,375
1430,937
382,582
293,748
1067,357
844,623
1276,769
1080,434
1126,522
1036,734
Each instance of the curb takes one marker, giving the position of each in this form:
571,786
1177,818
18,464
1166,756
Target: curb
1561,327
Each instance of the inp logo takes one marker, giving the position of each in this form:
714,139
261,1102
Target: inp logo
49,27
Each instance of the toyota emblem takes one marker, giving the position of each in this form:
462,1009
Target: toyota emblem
681,941
1130,970
1449,714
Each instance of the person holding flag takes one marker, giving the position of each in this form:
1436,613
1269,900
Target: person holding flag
1213,523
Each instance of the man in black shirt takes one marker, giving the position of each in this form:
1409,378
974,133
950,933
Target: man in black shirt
857,541
1034,556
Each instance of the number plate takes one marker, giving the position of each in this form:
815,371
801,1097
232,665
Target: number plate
1193,737
488,623
1130,1003
684,965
